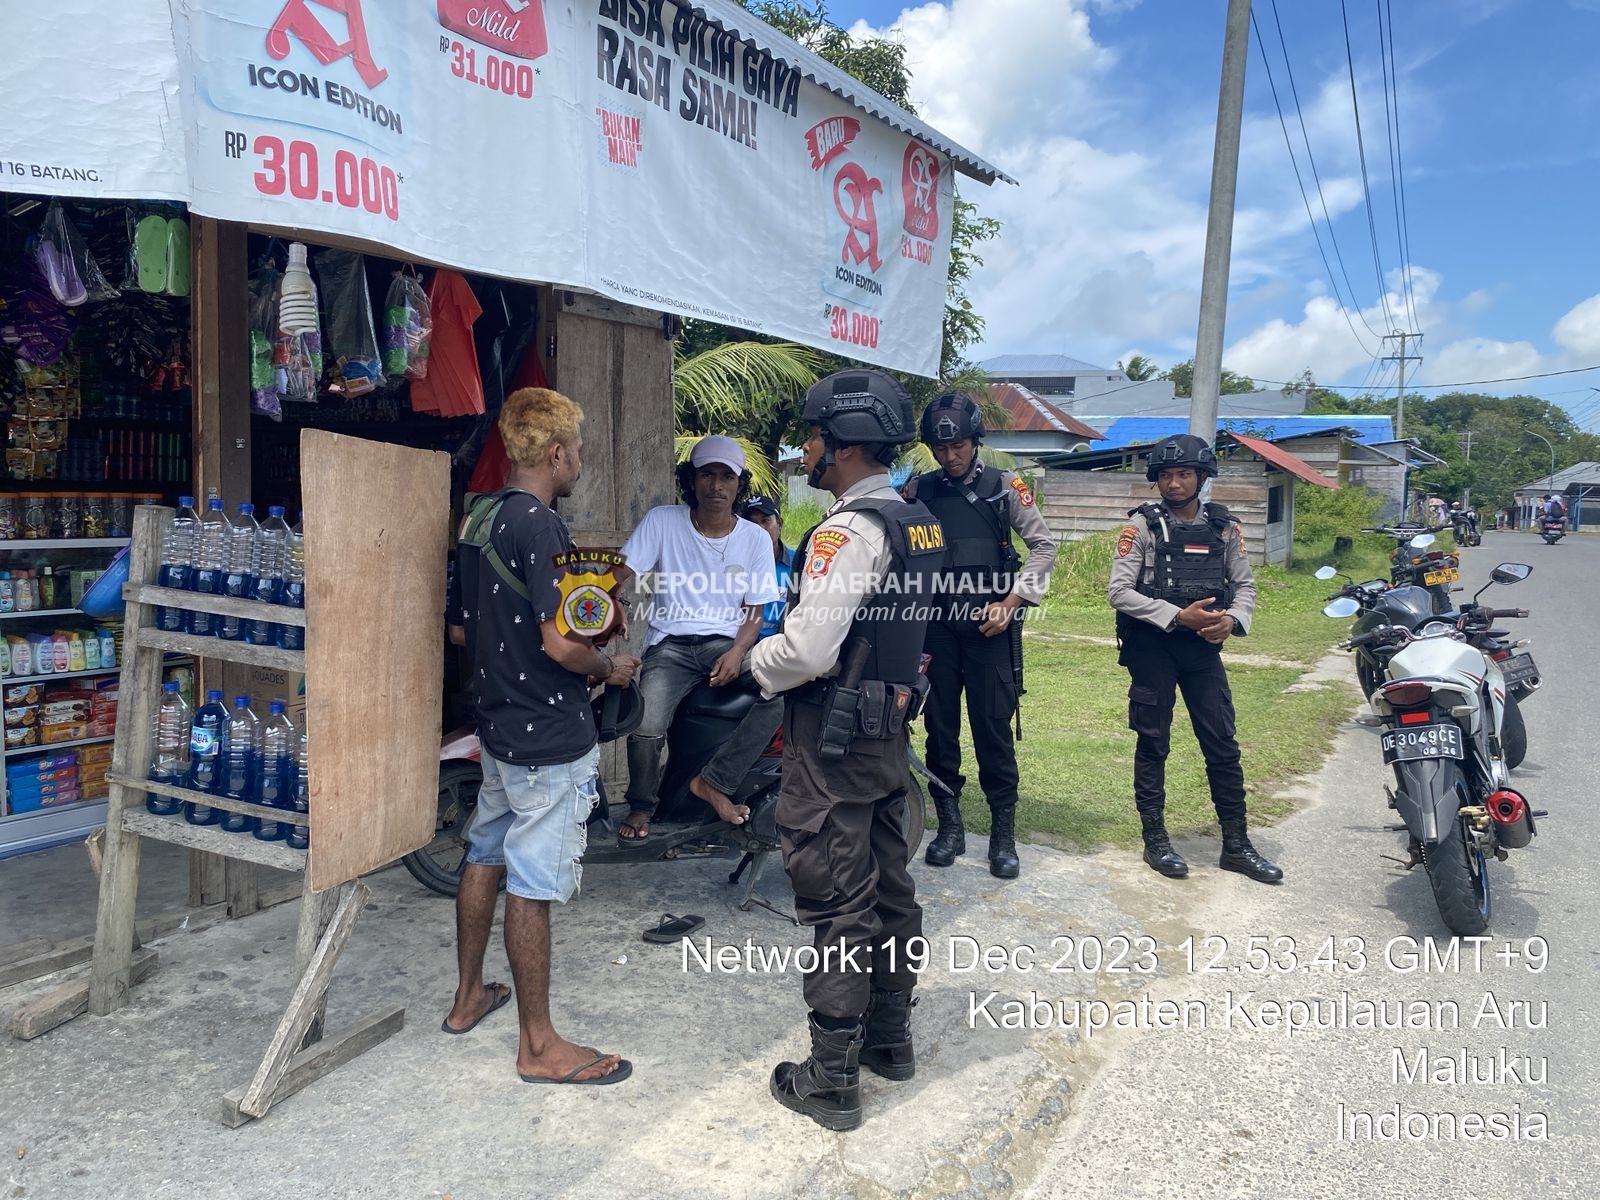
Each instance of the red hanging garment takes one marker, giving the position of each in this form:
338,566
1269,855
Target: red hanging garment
453,387
493,465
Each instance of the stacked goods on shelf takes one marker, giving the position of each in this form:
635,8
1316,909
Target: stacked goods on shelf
66,651
238,557
68,777
44,714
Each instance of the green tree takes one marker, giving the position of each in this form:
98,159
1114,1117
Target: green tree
1182,376
1138,367
748,390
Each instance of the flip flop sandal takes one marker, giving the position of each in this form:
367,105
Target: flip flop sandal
150,253
624,1069
636,839
501,999
177,248
673,929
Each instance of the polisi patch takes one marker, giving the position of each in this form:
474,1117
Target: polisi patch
925,537
825,543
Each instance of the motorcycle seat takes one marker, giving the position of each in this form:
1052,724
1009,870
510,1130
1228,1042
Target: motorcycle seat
730,703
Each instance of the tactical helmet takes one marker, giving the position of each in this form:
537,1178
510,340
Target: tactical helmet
860,408
951,417
1181,450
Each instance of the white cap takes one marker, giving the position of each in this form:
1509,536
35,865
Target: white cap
716,448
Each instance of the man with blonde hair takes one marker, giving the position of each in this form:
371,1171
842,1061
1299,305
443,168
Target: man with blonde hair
540,746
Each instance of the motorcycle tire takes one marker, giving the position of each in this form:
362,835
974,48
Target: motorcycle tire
1368,675
1513,733
1460,882
438,865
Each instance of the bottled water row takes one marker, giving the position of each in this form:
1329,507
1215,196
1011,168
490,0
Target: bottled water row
236,556
233,754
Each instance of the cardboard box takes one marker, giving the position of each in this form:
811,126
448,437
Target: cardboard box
37,766
96,755
268,684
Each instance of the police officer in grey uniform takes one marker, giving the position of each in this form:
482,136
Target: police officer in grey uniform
1181,585
975,639
846,662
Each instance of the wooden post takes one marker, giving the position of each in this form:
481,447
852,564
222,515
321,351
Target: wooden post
220,337
119,867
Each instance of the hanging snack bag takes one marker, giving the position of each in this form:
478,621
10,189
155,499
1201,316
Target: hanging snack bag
407,326
263,316
70,270
350,338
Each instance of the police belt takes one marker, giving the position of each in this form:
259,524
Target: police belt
875,710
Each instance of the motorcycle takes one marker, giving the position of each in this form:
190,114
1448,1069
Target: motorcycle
1440,711
1464,523
1430,569
683,825
1552,529
1380,605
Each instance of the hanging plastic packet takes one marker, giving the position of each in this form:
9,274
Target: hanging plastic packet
407,327
263,319
70,270
351,340
297,342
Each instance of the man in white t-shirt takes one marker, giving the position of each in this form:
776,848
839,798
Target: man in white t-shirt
714,575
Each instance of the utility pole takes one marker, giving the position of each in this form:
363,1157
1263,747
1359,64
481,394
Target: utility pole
1466,493
1207,384
1400,404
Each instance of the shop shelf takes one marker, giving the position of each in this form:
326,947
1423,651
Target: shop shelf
43,612
62,544
8,680
55,746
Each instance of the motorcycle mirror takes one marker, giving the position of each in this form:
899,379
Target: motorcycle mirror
1422,541
1326,572
1511,572
1341,608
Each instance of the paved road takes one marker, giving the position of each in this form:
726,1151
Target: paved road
1245,1112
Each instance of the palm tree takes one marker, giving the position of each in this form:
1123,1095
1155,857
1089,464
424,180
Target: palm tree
735,387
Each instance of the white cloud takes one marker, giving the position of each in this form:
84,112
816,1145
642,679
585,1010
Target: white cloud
1578,331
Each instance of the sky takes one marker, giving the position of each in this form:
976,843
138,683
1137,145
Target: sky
1105,111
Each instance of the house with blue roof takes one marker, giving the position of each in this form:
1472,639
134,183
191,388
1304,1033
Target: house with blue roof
1141,431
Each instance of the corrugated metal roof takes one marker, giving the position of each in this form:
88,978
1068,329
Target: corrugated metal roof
1281,458
1033,414
1135,431
1584,474
1041,364
750,28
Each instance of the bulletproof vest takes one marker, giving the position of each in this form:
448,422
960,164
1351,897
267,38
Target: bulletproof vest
977,531
894,619
1191,560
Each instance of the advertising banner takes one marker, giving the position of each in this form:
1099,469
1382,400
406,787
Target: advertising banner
630,147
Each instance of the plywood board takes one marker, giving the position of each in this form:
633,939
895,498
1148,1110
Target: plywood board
376,524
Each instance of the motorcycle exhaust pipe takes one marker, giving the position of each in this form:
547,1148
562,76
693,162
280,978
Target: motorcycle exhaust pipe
1513,819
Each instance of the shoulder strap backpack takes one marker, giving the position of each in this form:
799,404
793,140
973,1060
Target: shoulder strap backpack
478,535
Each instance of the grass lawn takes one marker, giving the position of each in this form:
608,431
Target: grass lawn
1076,757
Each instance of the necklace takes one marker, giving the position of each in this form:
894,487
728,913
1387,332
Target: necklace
717,544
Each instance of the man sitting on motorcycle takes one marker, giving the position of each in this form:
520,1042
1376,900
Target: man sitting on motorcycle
714,577
1551,509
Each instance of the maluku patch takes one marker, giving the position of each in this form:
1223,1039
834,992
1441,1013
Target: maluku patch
1022,491
825,543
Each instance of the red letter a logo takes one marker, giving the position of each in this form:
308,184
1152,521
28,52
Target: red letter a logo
298,19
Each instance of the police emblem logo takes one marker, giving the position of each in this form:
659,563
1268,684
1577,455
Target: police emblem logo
1125,540
590,611
1023,493
825,543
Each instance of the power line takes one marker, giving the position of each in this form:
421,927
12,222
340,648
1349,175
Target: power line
1366,189
1345,387
1316,178
1300,182
1400,171
1391,105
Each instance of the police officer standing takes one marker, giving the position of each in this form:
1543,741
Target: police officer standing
1181,585
975,640
846,662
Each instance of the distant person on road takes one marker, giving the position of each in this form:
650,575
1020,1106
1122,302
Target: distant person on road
1181,585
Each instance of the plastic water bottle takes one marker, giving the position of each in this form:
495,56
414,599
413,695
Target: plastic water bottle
293,637
239,746
211,539
177,562
299,837
239,567
206,735
276,770
171,762
272,548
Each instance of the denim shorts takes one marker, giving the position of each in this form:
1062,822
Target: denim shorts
534,822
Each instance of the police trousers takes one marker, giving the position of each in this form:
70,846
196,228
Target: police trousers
1160,665
842,826
964,661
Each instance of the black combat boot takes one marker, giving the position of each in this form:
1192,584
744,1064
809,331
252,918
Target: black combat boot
1003,862
827,1086
1158,852
887,1049
1239,855
950,843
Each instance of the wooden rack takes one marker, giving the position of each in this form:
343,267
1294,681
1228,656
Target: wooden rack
380,515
